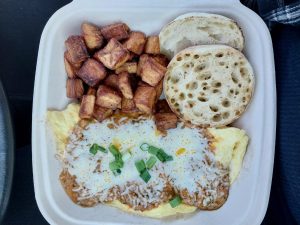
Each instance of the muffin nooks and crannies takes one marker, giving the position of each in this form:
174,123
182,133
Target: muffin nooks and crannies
209,85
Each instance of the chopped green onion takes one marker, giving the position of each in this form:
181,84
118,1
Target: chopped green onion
151,162
175,202
140,166
145,147
115,165
153,150
102,149
114,150
145,175
95,148
126,156
117,172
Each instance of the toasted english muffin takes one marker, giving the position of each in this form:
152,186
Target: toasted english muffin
209,85
199,29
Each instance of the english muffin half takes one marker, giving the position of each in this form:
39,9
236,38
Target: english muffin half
199,29
209,85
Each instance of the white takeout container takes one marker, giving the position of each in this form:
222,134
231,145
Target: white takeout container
249,195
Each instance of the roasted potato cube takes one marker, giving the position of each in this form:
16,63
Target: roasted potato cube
159,89
141,63
91,91
162,106
130,67
92,72
101,113
112,81
92,36
127,105
118,31
125,85
136,42
77,49
71,71
76,66
161,59
113,55
152,72
87,106
108,98
152,45
129,108
74,88
144,98
165,121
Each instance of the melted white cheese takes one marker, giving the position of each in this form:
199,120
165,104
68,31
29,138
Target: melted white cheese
188,170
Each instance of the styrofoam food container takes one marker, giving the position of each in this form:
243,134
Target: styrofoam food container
249,195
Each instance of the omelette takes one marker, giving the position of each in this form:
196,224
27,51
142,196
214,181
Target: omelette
126,163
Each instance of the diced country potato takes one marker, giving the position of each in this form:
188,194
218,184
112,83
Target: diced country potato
101,113
143,58
162,106
76,66
91,91
128,107
87,106
108,98
74,88
130,67
161,59
71,71
113,55
118,31
92,72
77,49
165,121
136,42
144,98
125,85
151,71
152,45
112,81
159,89
92,36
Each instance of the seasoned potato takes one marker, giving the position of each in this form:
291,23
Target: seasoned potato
91,91
74,88
108,98
113,55
101,113
112,81
130,67
162,106
71,71
118,31
161,59
159,90
136,42
152,45
125,85
141,63
151,71
87,106
77,49
165,121
92,36
144,98
92,72
76,66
